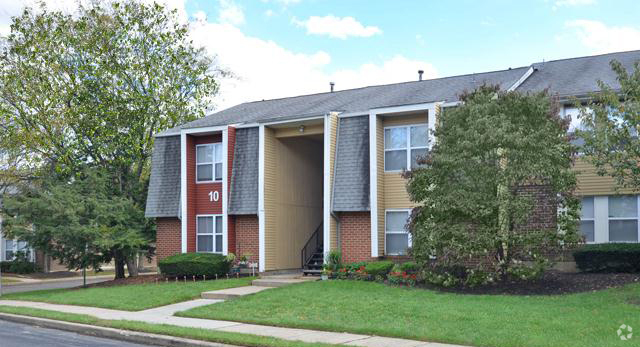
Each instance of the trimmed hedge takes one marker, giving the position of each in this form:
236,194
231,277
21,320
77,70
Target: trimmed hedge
19,267
608,257
379,268
194,264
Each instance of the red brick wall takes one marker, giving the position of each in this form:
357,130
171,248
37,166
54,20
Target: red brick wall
247,236
355,236
544,213
198,201
168,236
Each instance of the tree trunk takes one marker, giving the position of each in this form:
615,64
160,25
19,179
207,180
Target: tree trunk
119,265
132,267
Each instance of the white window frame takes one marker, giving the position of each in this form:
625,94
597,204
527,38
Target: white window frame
407,148
15,249
214,234
592,219
636,218
213,163
386,231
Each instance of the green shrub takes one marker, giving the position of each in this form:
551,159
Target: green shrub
608,257
334,260
353,267
19,267
194,264
379,268
409,267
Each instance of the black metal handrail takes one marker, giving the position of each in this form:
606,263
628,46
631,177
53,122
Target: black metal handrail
317,241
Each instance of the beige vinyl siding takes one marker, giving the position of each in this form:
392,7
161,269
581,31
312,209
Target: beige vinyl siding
333,132
380,183
293,197
270,208
590,183
292,131
392,187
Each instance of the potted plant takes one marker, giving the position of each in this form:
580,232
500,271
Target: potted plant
243,261
325,273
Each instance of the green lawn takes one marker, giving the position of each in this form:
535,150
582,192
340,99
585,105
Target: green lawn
586,319
9,280
129,297
163,329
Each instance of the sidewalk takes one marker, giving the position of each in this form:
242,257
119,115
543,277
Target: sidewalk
164,315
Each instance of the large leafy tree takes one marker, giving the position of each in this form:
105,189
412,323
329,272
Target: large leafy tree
92,88
474,224
82,223
610,124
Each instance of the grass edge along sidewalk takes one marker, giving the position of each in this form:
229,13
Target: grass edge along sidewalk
570,320
199,334
133,297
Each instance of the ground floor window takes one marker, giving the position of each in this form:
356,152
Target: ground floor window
397,238
610,218
11,247
209,234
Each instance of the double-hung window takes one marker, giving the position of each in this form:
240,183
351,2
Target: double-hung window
11,247
397,238
623,218
209,234
209,162
587,221
404,145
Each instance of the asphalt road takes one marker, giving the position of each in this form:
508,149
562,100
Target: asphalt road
21,335
16,288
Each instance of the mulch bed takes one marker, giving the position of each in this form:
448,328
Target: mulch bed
141,279
126,281
551,283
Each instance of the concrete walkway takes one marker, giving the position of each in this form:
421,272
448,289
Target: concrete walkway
164,315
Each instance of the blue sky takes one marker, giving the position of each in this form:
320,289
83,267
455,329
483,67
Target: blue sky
279,48
455,36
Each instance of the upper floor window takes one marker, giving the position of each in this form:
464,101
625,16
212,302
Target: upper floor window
209,162
404,145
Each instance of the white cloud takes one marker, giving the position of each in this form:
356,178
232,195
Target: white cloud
601,38
267,70
269,13
571,3
337,27
230,13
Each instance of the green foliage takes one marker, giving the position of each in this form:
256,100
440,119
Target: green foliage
334,260
91,89
19,267
609,257
21,264
610,124
379,268
81,223
409,266
194,264
472,190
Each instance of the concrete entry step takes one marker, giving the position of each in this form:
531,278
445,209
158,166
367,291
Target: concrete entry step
280,282
232,293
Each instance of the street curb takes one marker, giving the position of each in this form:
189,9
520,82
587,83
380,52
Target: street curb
110,333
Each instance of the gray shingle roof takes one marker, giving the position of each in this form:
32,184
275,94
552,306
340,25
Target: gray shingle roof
577,76
244,180
163,198
351,183
356,100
